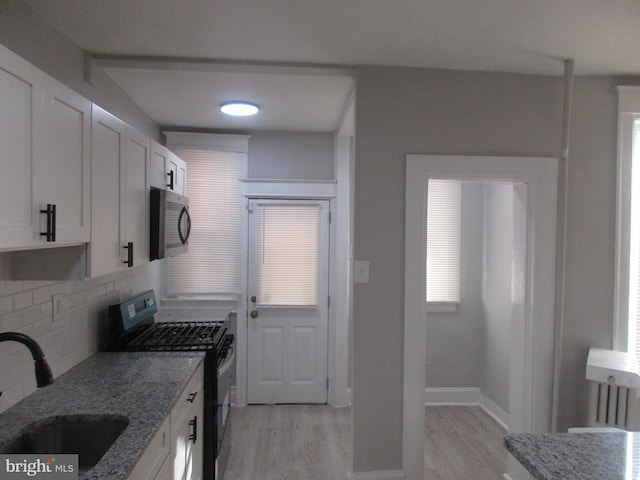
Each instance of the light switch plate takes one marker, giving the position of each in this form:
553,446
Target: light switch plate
361,271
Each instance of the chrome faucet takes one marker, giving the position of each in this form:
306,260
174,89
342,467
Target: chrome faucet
43,371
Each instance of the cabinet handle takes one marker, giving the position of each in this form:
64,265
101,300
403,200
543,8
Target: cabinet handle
129,248
192,397
194,432
170,184
50,212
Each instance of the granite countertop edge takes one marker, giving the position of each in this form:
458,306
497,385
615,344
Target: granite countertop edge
142,386
573,456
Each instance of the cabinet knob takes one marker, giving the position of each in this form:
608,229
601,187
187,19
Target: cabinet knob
170,184
192,397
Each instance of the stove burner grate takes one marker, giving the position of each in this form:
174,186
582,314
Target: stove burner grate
179,336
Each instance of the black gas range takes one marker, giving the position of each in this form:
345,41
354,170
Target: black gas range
133,328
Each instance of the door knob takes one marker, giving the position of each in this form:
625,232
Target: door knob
254,314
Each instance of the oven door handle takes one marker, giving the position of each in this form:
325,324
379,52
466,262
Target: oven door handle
231,356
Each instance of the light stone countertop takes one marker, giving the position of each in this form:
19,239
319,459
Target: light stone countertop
577,456
141,386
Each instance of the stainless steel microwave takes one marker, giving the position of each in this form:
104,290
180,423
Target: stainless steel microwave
170,224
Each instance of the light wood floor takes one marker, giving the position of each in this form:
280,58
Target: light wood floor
463,443
312,442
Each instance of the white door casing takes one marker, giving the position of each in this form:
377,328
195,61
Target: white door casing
287,337
531,373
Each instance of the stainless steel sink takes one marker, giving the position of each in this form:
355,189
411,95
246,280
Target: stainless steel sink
90,436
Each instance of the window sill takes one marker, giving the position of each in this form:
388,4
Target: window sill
442,307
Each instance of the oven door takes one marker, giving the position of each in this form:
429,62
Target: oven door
226,371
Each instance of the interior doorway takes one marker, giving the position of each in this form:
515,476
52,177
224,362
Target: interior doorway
533,290
476,371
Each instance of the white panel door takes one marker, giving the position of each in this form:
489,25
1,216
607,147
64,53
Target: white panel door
288,301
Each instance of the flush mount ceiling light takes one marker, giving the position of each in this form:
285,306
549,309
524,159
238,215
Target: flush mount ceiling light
239,109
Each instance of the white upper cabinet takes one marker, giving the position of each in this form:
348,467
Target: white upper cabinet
168,171
136,198
63,174
44,150
119,194
107,158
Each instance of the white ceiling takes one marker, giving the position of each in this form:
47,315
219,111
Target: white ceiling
532,36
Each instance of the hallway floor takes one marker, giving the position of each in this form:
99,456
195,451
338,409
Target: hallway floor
312,442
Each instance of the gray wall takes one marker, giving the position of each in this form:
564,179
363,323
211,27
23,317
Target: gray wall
400,111
291,156
591,197
27,35
403,111
496,292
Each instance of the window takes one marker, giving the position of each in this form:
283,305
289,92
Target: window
287,254
443,241
214,264
627,316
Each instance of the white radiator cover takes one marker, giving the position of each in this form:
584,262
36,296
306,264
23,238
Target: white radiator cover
610,405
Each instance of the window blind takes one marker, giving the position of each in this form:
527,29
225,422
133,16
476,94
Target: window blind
443,240
214,262
287,251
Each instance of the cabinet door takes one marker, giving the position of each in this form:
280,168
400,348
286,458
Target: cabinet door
168,171
135,182
159,154
176,173
195,459
44,146
107,155
182,177
165,472
187,449
62,161
19,99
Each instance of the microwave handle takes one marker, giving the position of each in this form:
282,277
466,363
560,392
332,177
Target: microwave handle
184,238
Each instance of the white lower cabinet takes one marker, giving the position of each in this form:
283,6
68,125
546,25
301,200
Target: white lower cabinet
187,431
175,453
153,458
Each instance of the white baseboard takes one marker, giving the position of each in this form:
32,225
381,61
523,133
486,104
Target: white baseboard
379,475
452,396
466,396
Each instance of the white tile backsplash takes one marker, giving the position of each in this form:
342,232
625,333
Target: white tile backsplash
77,332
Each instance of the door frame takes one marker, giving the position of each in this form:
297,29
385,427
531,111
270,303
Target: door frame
338,347
531,397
